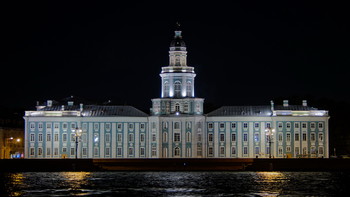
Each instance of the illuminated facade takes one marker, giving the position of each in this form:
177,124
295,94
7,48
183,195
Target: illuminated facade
177,127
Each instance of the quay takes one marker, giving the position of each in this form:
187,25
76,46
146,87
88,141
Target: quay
189,164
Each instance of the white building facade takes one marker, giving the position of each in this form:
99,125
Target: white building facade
176,127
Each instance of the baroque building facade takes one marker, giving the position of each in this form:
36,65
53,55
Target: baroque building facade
176,127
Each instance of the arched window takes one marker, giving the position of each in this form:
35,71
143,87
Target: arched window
177,151
177,107
177,88
188,89
166,89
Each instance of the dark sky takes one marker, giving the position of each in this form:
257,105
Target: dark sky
243,53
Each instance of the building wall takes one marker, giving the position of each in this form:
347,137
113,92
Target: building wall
193,136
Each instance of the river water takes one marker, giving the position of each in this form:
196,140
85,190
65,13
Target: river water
175,184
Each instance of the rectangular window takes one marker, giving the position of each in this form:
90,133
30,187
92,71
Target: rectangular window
40,126
48,125
233,137
320,137
96,126
142,137
288,149
40,137
280,137
154,151
108,126
304,136
55,151
320,125
84,137
31,151
72,137
210,151
48,137
233,150
176,137
142,151
245,125
131,151
84,151
222,137
119,137
245,137
245,150
48,151
256,137
304,125
40,151
222,126
64,149
131,126
64,137
176,125
313,137
210,125
119,151
56,125
199,137
257,150
142,126
199,150
288,125
65,126
256,125
313,125
32,137
320,150
72,151
107,138
32,125
296,137
119,126
280,125
288,137
131,137
296,125
222,150
210,137
233,125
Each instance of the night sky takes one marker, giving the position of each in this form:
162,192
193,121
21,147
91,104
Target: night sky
243,53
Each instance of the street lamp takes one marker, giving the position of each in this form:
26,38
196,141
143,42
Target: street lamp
77,133
269,134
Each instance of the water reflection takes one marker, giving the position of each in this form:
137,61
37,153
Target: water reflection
174,183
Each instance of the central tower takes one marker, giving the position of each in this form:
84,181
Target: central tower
177,93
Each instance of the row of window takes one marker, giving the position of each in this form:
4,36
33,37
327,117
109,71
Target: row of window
83,153
268,125
257,137
96,126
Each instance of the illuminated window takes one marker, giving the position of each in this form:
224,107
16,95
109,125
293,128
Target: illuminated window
222,137
320,137
256,137
245,137
48,137
177,151
210,137
142,151
177,88
177,137
166,88
40,137
188,88
233,137
40,151
296,136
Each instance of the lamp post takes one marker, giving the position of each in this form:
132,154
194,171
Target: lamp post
269,134
78,133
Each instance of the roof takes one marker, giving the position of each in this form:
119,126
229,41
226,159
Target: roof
99,110
264,110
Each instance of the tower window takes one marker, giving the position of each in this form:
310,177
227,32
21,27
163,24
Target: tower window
177,88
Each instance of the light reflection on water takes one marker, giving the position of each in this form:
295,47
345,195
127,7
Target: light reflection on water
174,183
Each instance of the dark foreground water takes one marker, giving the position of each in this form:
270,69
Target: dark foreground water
175,184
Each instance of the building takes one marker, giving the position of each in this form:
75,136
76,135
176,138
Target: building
176,127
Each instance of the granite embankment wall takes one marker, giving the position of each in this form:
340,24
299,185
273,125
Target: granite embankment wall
47,165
